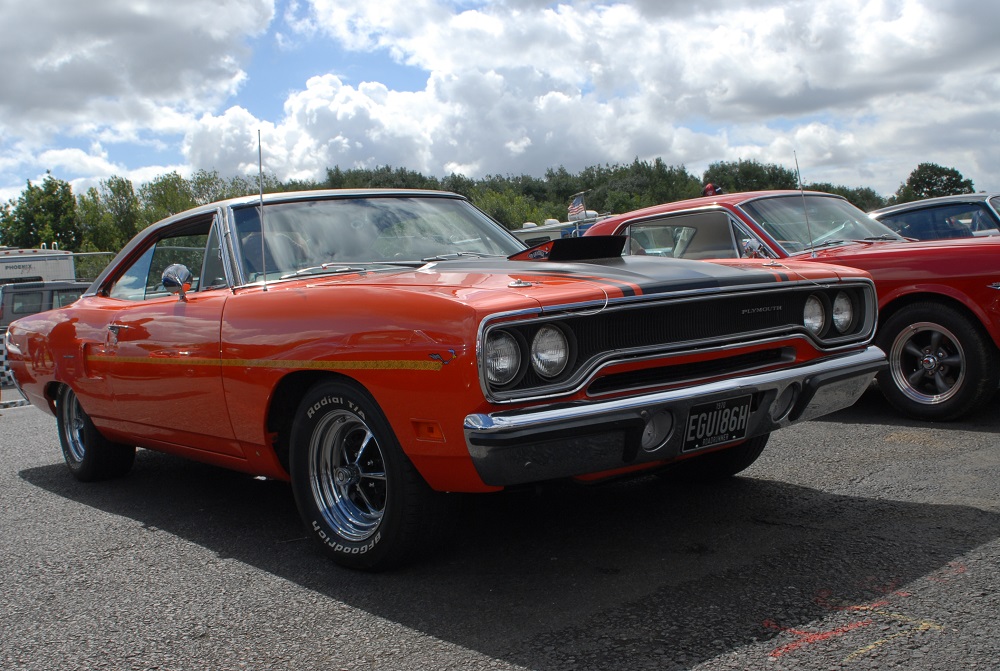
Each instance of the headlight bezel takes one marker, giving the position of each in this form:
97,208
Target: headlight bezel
525,333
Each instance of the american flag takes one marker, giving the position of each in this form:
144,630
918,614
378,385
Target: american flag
576,207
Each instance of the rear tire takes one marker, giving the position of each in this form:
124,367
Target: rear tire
89,455
718,465
358,494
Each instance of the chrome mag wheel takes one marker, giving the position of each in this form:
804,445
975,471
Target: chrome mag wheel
73,427
347,475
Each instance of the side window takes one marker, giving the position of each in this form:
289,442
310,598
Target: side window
65,297
934,223
701,235
213,275
131,285
185,245
27,303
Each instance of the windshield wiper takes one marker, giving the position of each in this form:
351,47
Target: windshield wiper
455,255
884,236
827,243
325,269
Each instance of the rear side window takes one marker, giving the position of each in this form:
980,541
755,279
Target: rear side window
959,220
26,303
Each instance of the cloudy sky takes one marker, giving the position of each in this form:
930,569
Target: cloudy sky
860,91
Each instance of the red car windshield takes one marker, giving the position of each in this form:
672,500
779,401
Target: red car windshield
802,222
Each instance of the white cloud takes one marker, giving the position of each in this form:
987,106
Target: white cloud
860,90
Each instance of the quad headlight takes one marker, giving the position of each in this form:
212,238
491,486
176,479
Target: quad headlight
549,351
823,311
843,312
814,315
542,353
503,358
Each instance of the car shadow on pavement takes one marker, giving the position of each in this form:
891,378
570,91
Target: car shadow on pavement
872,408
632,574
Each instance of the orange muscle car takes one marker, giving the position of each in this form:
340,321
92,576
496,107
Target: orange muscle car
375,348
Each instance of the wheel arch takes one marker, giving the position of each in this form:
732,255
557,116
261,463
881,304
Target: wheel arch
956,302
285,400
51,393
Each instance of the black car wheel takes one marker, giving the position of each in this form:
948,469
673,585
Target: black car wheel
356,491
89,455
941,363
718,465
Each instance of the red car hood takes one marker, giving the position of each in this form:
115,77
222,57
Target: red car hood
953,246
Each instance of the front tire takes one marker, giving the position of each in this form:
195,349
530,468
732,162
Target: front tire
358,494
942,364
89,455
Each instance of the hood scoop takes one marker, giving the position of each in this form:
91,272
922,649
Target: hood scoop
567,250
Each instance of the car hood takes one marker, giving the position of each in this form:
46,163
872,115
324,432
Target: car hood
956,246
553,282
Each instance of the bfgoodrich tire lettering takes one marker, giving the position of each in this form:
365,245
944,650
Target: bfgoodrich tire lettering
89,455
356,491
941,362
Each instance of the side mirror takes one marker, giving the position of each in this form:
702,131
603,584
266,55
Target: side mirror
176,279
753,249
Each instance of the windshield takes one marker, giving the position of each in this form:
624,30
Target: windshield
800,223
345,234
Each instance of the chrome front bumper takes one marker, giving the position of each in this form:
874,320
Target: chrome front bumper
563,440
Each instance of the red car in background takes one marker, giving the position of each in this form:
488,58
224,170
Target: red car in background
939,319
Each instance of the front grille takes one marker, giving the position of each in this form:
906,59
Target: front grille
668,375
632,330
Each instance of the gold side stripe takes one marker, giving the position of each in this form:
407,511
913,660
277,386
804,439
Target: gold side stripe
389,364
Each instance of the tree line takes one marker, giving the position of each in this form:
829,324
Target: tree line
109,215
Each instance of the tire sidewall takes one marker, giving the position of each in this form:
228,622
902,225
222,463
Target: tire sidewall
101,457
980,365
324,398
84,468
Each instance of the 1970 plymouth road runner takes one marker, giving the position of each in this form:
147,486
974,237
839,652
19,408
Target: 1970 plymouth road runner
377,347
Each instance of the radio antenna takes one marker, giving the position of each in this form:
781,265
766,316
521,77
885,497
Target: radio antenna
260,182
805,210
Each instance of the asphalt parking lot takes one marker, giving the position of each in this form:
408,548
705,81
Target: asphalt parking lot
859,541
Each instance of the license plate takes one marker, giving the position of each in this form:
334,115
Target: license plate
716,423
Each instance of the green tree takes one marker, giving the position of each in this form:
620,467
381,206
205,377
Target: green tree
99,232
749,176
459,184
109,216
165,196
930,180
207,187
508,207
43,214
863,198
382,177
560,186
